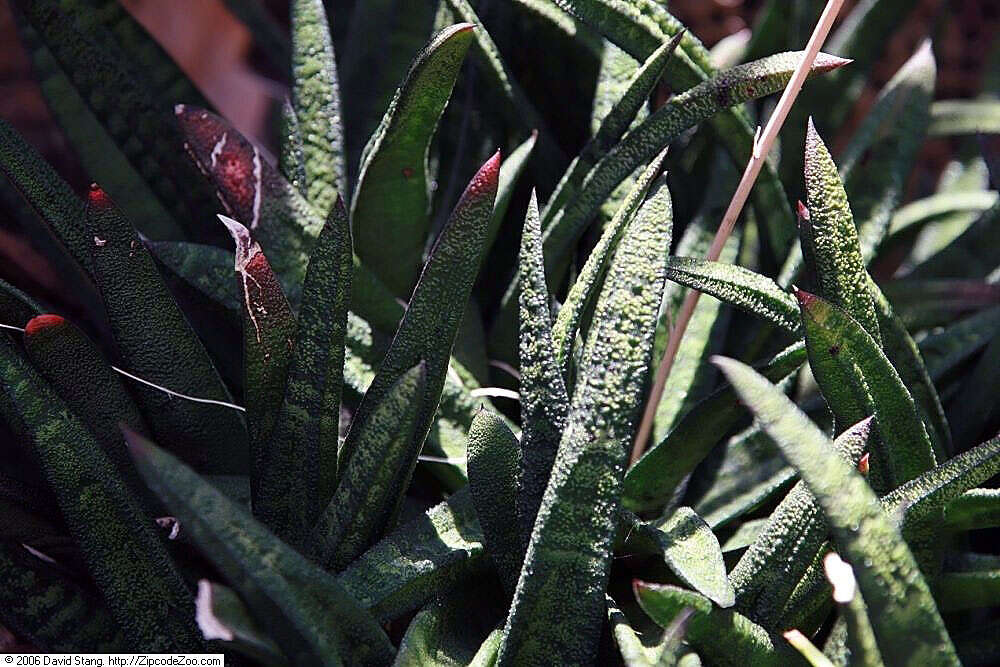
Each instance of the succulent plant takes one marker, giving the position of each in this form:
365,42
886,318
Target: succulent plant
322,407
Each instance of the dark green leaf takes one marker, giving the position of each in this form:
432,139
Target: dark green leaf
310,615
156,343
494,459
559,603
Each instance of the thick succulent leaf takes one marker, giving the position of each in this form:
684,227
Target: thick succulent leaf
291,151
887,142
544,400
613,125
852,638
922,500
722,635
582,296
637,654
75,368
47,193
450,631
224,618
306,431
268,339
559,603
740,287
964,117
419,560
430,324
308,613
254,192
691,377
830,240
904,354
858,380
207,269
685,110
903,614
116,90
690,549
494,459
123,553
781,553
973,510
156,343
391,196
640,27
316,104
374,478
652,480
50,610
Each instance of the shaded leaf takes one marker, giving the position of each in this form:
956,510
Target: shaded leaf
652,480
123,553
964,117
494,459
309,614
374,478
223,617
156,343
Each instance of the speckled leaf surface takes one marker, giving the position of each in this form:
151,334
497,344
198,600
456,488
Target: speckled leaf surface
494,460
544,401
724,636
40,604
421,559
75,368
427,330
309,614
780,554
316,104
587,287
850,366
906,622
122,552
830,240
306,430
559,602
391,195
156,343
374,478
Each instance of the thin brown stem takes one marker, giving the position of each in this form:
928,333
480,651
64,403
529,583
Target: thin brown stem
761,148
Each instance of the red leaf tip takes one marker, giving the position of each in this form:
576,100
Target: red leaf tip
97,196
805,298
801,210
39,323
863,465
825,62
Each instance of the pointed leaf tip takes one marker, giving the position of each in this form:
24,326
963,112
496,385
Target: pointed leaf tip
97,197
801,210
826,62
805,298
246,247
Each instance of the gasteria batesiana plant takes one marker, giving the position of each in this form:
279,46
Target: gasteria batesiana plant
322,407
